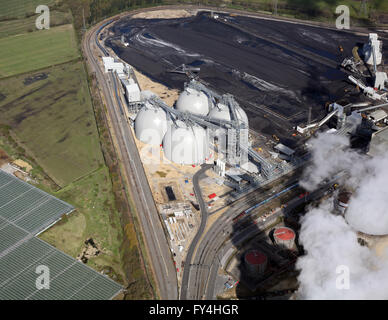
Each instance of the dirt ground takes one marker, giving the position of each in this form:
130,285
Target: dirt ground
169,96
163,14
4,158
161,173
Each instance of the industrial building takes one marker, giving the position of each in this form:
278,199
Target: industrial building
364,122
186,143
126,76
341,201
202,127
372,50
196,124
132,90
255,262
151,124
378,142
206,127
284,237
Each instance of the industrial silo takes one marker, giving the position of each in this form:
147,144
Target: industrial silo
255,262
284,237
374,44
341,202
242,115
193,101
186,143
222,112
151,125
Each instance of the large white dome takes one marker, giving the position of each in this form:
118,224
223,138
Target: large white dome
193,101
151,125
222,112
242,115
185,144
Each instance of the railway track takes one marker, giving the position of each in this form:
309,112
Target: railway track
198,269
156,243
224,235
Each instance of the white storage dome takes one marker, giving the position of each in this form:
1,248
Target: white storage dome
193,101
151,125
222,112
242,115
186,145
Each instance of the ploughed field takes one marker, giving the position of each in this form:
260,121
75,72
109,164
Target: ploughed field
276,70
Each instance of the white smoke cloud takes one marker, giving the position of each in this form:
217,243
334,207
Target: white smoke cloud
331,241
330,154
368,208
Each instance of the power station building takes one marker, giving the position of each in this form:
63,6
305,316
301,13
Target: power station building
200,121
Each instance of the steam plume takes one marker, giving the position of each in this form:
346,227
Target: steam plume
331,241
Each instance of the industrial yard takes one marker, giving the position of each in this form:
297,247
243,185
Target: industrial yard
222,162
203,145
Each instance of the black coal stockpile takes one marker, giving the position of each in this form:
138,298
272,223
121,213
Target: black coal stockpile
276,70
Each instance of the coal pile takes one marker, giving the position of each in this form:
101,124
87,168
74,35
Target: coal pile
276,70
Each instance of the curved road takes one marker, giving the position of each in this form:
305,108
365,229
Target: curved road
204,215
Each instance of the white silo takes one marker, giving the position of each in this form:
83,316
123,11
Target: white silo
242,115
255,262
222,112
284,237
186,144
341,203
151,125
373,45
202,141
193,101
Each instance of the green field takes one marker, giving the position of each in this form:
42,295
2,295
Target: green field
54,121
19,8
45,48
19,26
317,10
47,118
